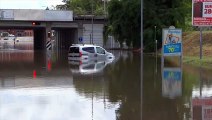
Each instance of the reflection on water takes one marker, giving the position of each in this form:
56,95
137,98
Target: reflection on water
43,86
202,108
91,67
176,93
52,104
16,43
172,82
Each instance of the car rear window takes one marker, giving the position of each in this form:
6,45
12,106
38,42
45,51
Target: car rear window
89,49
74,49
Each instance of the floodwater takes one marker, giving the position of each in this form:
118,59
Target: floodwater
38,85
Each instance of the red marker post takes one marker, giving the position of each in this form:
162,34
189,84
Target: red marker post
34,74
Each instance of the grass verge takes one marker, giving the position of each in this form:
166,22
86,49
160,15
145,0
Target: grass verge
205,62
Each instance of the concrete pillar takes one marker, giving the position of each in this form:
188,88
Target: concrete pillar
58,40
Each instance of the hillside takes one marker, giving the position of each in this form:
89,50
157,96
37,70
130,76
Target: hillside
191,44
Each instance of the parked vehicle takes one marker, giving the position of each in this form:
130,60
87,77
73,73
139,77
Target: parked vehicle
87,52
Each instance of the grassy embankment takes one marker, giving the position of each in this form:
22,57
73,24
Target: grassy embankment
191,49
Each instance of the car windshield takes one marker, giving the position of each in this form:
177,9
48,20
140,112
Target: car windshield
100,50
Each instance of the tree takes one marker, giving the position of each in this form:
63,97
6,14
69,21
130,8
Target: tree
82,7
164,13
124,17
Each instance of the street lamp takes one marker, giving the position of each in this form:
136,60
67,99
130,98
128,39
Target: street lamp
155,40
105,6
156,45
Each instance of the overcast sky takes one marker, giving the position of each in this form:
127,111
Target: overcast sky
28,4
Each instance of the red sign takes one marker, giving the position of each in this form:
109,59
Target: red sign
201,101
202,13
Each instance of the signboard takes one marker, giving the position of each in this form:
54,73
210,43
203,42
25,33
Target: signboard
202,12
80,39
54,15
202,108
172,42
6,15
35,15
172,82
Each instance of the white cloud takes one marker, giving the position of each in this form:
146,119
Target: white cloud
28,4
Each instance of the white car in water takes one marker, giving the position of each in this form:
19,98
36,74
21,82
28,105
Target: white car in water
88,52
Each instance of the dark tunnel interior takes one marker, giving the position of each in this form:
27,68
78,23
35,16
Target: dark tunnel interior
39,38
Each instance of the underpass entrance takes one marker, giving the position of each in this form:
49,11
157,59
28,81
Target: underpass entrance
64,37
35,38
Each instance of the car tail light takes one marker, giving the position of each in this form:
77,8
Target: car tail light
80,54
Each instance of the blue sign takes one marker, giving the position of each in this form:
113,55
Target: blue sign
80,39
172,48
172,42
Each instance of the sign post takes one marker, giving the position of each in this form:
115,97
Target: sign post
201,16
172,82
80,39
171,76
200,40
172,43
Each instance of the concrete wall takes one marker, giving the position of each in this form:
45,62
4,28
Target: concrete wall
97,34
35,15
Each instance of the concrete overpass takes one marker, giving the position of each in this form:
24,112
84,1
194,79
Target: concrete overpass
67,28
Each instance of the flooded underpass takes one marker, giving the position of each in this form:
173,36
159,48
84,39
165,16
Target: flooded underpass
44,85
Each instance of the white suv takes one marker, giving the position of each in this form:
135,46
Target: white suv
87,52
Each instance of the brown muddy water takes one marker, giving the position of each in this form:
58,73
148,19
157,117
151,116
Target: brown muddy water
37,85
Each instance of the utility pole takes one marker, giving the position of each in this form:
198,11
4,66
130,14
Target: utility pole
155,40
104,8
200,52
142,90
92,21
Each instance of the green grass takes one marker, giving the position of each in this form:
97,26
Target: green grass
191,49
205,62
